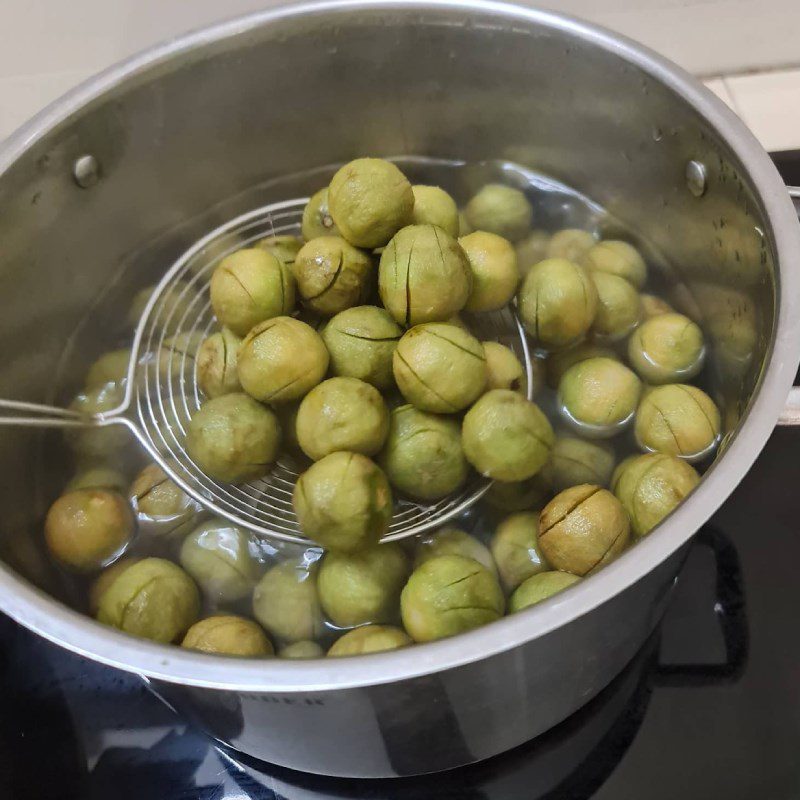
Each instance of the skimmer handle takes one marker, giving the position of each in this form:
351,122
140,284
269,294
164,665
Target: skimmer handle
35,415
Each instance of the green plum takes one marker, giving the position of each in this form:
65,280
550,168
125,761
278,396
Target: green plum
506,437
539,587
251,286
369,199
342,414
434,206
361,342
357,588
439,367
281,359
423,456
153,599
515,548
369,639
502,210
557,303
218,556
449,595
233,438
424,276
343,502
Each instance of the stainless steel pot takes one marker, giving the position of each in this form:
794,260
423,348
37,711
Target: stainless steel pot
220,114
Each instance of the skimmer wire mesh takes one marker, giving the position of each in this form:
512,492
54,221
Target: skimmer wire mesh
166,393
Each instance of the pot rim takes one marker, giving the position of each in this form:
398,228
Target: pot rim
47,617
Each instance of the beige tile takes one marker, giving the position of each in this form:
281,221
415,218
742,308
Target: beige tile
706,37
22,96
48,45
720,89
769,103
44,36
150,21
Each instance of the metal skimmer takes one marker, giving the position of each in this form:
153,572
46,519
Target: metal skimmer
161,392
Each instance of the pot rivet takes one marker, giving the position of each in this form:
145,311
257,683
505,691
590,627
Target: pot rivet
86,171
696,178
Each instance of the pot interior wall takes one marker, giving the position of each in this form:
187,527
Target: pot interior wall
192,140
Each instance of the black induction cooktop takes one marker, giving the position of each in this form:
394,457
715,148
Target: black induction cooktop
710,707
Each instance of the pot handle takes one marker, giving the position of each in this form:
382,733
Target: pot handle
791,411
729,607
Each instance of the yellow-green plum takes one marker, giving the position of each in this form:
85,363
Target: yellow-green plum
500,209
539,587
317,219
342,414
228,635
653,485
667,348
439,367
369,639
598,397
217,555
286,603
434,206
250,286
302,649
357,588
86,528
678,419
424,276
503,368
618,306
331,275
449,595
557,303
453,542
506,437
280,360
361,342
343,502
233,438
582,529
570,243
495,273
558,363
369,200
153,598
617,258
216,364
515,548
423,457
574,461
